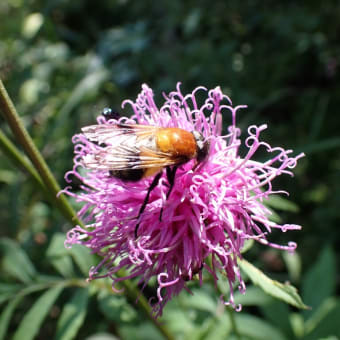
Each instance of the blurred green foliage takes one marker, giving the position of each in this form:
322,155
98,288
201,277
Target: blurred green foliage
63,61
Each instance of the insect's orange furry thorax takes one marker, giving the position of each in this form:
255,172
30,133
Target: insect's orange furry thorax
178,142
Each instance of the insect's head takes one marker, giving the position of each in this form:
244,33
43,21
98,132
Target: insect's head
203,146
109,113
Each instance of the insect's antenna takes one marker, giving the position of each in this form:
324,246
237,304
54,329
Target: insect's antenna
109,113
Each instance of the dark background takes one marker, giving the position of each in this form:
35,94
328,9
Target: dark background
63,61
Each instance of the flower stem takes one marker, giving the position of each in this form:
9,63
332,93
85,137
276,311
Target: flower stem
22,136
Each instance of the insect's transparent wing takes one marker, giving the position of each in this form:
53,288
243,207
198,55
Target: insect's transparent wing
123,146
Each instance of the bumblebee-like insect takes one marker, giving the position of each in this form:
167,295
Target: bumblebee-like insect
132,152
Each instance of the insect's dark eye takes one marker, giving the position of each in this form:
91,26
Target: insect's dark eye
108,113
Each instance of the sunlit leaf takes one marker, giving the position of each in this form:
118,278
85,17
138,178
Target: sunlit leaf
284,292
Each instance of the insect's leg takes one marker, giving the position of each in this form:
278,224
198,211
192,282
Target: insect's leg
170,174
146,199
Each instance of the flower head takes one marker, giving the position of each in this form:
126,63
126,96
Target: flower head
213,208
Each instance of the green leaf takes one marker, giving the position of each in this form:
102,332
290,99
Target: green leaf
200,300
284,292
320,281
73,315
298,324
102,336
144,331
115,307
278,202
83,258
177,318
16,262
293,263
254,296
255,328
7,314
278,314
8,311
320,314
59,256
329,326
30,324
8,290
248,244
220,329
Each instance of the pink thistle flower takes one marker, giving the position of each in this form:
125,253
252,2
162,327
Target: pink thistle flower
212,210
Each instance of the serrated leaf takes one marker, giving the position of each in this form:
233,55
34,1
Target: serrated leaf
30,324
255,328
284,292
16,262
7,314
59,256
320,281
72,315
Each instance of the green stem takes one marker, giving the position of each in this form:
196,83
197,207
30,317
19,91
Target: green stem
22,136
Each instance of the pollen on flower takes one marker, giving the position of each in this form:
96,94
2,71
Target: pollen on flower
213,208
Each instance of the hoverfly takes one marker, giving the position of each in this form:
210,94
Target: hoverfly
131,152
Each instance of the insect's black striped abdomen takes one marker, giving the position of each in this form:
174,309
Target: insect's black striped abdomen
133,175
